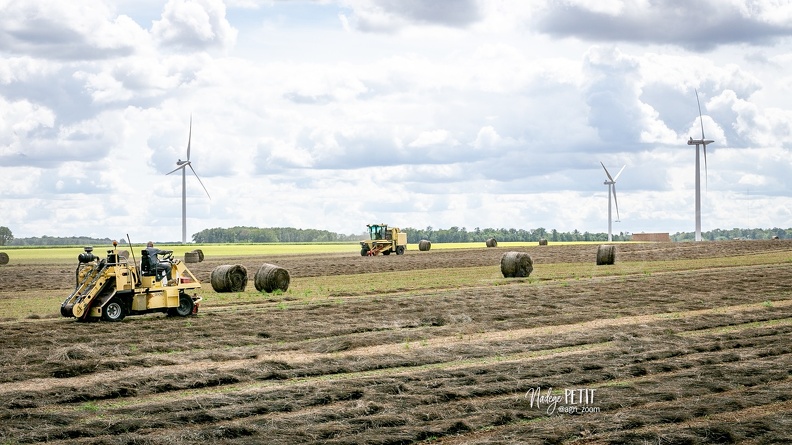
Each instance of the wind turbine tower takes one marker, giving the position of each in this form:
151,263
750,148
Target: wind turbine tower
703,142
611,183
182,165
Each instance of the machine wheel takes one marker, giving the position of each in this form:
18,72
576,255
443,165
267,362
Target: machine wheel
113,310
399,250
386,252
185,308
364,251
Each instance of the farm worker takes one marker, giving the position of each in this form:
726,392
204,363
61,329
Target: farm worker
156,263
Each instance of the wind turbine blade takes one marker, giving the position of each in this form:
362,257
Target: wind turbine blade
701,120
189,139
199,180
175,169
606,172
615,201
617,174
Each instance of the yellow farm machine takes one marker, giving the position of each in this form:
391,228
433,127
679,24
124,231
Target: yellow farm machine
113,287
384,240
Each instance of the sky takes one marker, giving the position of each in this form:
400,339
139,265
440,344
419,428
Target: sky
335,114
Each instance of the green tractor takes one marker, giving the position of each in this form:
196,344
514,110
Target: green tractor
383,240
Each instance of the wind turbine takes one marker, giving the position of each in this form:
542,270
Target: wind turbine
182,165
611,183
698,142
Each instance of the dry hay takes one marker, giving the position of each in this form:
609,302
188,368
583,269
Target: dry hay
74,352
229,278
424,245
542,242
516,264
3,258
453,365
492,242
270,278
606,254
191,257
200,255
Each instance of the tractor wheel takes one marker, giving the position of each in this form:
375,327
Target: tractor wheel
399,250
113,310
386,252
185,308
364,252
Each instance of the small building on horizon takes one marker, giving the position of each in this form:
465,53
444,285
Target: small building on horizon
652,237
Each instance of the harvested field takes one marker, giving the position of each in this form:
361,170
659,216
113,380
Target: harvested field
675,343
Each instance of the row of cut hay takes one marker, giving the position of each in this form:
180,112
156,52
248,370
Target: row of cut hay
233,278
425,245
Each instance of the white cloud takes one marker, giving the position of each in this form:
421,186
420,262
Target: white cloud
434,137
392,15
494,114
194,24
66,30
754,180
700,26
487,138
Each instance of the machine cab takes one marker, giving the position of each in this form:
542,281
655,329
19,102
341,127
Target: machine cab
377,231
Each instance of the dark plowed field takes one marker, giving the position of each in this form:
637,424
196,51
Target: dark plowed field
692,355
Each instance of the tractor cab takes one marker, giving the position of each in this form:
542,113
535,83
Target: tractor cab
377,231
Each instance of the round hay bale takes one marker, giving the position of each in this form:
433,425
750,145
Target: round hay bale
270,277
123,254
424,245
229,278
516,264
3,258
606,254
492,242
542,242
191,257
200,255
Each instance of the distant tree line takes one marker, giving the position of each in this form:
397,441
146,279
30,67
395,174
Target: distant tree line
722,234
269,235
452,235
414,236
457,235
60,241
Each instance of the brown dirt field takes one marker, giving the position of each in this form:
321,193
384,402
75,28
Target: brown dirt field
687,357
